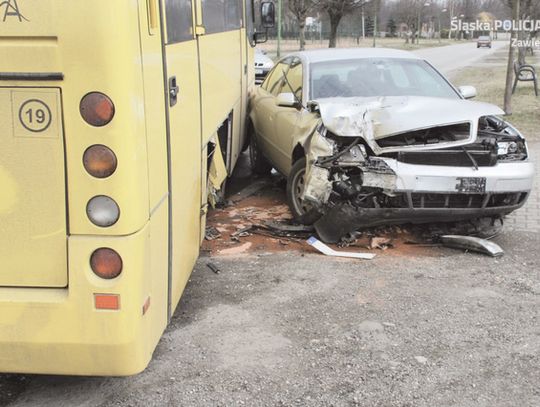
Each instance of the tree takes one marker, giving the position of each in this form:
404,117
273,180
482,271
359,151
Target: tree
391,27
301,9
336,9
408,12
369,26
510,66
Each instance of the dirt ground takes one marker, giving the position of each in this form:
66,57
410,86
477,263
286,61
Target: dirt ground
283,325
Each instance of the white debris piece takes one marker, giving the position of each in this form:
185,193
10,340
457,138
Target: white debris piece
324,249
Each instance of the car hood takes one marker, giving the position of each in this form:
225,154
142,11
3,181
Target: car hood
379,117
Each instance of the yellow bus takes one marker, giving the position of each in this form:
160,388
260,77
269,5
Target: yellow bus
119,120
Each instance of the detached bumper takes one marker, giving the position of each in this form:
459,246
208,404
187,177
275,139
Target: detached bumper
436,194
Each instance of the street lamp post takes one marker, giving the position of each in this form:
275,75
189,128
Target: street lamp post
279,29
363,25
363,3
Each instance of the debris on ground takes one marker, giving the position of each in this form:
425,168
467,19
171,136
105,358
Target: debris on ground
381,243
213,267
474,244
250,190
324,249
211,233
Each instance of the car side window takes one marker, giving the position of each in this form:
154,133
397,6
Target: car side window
274,80
294,78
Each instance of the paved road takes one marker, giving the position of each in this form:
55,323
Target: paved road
434,327
451,57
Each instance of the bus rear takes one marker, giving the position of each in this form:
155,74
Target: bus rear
107,163
83,242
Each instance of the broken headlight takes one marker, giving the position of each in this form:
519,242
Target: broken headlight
511,150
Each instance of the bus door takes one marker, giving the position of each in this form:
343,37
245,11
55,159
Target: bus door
184,139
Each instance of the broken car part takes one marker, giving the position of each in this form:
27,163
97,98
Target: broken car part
324,249
213,267
474,244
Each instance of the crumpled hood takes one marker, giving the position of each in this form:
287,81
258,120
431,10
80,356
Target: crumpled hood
379,117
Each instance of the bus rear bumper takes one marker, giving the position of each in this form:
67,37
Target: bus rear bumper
60,331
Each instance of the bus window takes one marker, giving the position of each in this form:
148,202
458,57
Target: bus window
221,16
179,20
250,21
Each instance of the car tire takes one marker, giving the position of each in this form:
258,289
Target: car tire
259,164
302,213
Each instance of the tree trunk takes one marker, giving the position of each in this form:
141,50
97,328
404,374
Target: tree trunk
510,65
302,34
521,50
334,23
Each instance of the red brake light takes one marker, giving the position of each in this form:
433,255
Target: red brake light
97,109
106,263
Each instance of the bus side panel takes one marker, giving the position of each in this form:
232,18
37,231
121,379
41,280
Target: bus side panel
154,107
221,73
156,275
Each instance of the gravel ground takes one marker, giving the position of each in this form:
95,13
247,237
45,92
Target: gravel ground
421,327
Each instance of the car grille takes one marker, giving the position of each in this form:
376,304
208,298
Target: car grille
454,158
478,201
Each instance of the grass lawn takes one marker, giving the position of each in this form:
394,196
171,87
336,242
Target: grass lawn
288,46
489,82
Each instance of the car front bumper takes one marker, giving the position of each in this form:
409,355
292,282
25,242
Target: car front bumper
514,176
432,193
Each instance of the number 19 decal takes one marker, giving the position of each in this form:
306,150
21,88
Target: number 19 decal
35,115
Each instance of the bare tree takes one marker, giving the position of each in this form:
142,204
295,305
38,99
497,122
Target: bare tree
336,9
408,13
301,9
510,65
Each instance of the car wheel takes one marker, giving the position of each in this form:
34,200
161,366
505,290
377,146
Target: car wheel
303,212
259,163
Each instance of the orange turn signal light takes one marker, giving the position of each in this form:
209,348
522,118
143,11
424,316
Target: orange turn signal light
106,263
99,161
107,301
97,109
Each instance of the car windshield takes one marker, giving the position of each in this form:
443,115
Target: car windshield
365,77
483,38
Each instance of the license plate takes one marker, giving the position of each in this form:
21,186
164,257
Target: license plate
471,184
258,71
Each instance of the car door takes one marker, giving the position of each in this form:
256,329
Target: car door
264,110
286,118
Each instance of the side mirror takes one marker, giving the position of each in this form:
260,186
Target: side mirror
268,14
286,100
260,38
468,92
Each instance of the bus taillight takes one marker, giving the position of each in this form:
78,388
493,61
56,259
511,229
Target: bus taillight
99,161
97,109
106,263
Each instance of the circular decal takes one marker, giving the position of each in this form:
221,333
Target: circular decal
35,115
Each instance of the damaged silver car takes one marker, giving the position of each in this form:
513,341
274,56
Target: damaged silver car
368,137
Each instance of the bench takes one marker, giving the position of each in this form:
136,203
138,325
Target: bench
525,73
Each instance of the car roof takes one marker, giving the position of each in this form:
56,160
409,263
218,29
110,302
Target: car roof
336,54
